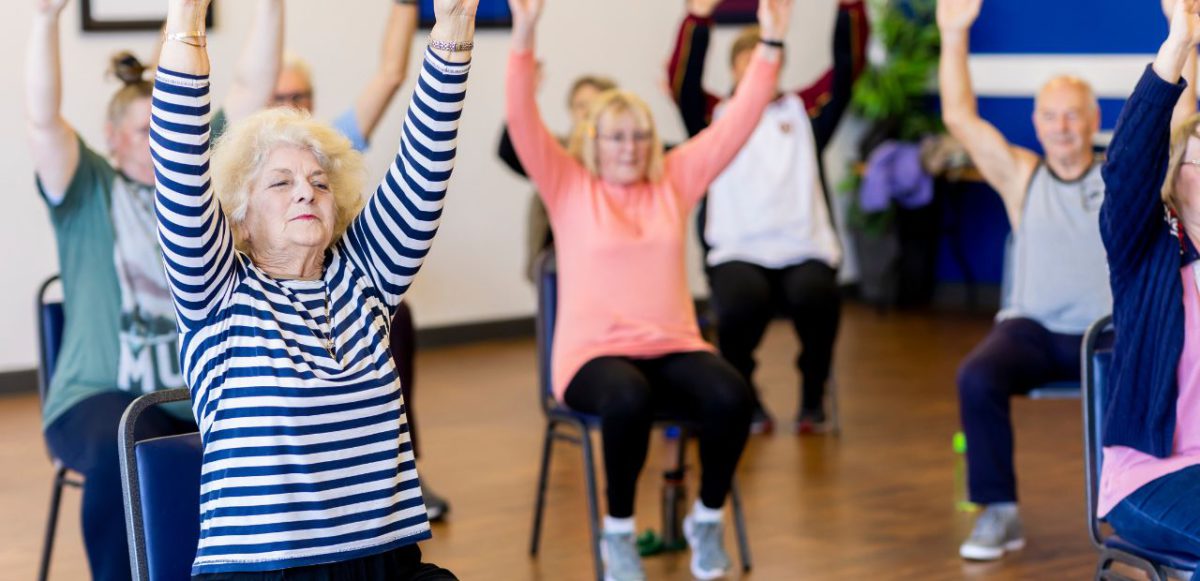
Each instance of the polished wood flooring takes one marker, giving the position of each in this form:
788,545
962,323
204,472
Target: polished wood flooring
878,502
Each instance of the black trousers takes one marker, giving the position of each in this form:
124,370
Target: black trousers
402,564
746,296
628,394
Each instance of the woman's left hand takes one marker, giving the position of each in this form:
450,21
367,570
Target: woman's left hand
774,18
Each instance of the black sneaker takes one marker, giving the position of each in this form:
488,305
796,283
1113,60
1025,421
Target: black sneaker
435,506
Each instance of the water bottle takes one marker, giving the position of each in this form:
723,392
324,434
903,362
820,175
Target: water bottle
674,508
962,502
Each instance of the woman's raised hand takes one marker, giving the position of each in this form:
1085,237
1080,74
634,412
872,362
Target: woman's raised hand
526,12
774,18
1185,21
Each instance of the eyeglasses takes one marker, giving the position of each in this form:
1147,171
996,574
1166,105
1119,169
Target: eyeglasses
619,138
1195,162
293,99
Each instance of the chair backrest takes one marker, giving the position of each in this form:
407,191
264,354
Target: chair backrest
1097,362
50,321
161,484
546,278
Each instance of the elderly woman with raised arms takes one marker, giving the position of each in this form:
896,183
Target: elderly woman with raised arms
284,284
627,345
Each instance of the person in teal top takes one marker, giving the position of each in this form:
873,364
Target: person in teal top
294,88
120,339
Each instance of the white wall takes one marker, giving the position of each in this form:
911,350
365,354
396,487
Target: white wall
474,272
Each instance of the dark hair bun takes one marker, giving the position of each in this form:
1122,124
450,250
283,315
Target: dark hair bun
127,68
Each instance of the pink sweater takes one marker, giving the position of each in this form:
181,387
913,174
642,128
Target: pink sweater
1124,469
622,281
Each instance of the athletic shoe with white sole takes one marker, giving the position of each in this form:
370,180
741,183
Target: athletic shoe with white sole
997,531
707,540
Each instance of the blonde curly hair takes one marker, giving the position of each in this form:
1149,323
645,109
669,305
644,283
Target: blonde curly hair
240,154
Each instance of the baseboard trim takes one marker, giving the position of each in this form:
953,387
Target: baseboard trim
450,335
20,381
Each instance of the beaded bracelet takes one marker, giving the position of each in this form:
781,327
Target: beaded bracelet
451,45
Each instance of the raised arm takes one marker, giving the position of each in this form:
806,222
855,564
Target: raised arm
258,65
691,167
391,237
828,98
1007,168
52,140
1131,216
377,95
685,70
1186,107
541,155
196,241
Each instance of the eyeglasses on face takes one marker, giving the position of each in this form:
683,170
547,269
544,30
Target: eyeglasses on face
633,137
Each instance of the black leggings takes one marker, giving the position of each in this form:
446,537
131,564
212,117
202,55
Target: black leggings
746,296
628,394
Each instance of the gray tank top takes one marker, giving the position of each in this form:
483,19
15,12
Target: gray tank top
1060,269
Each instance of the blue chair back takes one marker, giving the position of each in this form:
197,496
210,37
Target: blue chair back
546,275
160,478
169,485
50,322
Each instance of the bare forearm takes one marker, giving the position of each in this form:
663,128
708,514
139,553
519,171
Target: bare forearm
375,98
258,65
185,17
43,75
954,81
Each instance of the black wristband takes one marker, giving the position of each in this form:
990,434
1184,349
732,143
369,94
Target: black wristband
402,2
772,43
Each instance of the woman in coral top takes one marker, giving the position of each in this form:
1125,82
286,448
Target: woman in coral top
627,345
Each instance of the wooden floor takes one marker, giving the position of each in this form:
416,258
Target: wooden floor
876,503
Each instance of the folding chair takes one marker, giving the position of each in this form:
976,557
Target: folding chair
50,325
579,427
1158,566
160,478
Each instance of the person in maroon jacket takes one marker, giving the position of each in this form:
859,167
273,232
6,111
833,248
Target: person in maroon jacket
766,225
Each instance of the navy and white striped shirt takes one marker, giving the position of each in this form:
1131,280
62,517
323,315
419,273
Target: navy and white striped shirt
307,457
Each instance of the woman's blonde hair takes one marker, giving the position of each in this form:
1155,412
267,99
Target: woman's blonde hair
1179,141
582,144
241,153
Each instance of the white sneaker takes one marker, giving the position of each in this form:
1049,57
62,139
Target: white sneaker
622,562
707,540
997,531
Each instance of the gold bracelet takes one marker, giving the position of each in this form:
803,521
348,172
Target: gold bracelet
197,39
451,45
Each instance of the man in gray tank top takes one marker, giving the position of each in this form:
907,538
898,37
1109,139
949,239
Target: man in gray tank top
1059,277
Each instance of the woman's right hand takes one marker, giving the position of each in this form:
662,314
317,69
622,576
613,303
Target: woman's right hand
186,16
774,18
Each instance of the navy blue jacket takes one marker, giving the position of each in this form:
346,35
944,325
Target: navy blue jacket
1145,255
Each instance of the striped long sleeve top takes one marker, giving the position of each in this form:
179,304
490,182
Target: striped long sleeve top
307,457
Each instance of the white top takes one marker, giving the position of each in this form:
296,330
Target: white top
768,207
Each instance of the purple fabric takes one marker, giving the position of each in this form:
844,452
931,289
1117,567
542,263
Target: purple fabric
894,172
